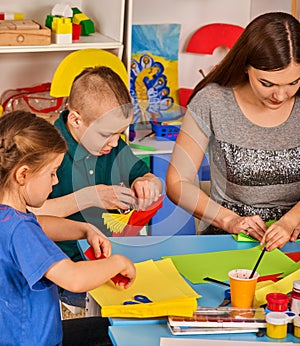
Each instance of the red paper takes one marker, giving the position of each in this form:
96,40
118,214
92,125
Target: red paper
139,219
119,278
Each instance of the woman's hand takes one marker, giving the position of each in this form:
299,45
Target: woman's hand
295,233
278,234
250,225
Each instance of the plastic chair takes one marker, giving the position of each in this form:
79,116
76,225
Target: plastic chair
77,61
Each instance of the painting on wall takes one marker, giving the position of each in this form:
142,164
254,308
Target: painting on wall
154,73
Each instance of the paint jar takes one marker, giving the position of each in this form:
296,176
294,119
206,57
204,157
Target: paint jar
276,325
297,327
277,302
295,295
290,326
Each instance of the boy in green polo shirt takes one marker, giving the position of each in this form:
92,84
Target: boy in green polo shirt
99,171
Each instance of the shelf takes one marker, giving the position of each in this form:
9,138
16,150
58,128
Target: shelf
96,40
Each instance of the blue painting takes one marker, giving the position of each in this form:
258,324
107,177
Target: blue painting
154,72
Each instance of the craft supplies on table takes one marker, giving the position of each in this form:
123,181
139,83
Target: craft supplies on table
218,320
295,295
276,325
297,326
277,302
165,131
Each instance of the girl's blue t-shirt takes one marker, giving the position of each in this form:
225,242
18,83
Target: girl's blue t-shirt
29,303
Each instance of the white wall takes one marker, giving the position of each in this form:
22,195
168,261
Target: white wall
192,14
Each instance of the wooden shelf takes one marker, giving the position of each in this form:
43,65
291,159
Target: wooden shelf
96,40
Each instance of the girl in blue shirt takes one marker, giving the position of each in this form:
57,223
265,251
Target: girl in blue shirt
31,264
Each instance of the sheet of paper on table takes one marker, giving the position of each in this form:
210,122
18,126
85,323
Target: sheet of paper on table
205,342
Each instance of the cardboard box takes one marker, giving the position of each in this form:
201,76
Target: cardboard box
23,33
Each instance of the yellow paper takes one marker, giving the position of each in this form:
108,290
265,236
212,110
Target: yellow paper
183,306
167,267
116,222
168,291
284,285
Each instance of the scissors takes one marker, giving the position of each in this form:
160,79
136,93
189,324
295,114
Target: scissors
138,298
227,298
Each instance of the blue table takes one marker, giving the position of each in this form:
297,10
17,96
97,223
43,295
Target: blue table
141,248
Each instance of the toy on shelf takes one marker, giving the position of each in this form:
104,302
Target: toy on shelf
87,25
62,30
23,33
62,10
68,21
11,16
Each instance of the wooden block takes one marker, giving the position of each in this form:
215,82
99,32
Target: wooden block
26,25
20,24
38,36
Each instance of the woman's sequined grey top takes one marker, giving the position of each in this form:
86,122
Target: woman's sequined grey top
254,170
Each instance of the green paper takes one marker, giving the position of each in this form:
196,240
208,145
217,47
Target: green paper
244,237
195,267
142,147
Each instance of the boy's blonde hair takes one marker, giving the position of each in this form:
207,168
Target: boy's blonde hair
26,139
95,86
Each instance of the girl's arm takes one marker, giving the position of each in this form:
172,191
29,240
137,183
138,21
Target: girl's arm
87,275
183,188
101,196
59,229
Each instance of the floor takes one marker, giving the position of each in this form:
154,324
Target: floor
67,314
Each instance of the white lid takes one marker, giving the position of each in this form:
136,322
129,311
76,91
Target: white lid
296,284
277,318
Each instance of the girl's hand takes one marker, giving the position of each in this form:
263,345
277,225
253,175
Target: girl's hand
98,241
129,270
250,225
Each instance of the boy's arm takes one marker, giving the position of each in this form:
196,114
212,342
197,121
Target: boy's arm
59,229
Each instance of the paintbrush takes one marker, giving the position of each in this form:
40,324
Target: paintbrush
257,263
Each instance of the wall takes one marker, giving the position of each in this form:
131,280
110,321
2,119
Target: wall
192,14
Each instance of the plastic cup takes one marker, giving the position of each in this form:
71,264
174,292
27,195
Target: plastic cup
242,288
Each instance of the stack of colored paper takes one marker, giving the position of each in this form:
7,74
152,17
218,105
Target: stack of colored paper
160,282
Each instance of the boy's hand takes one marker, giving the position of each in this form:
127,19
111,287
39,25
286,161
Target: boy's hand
98,241
147,190
114,197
